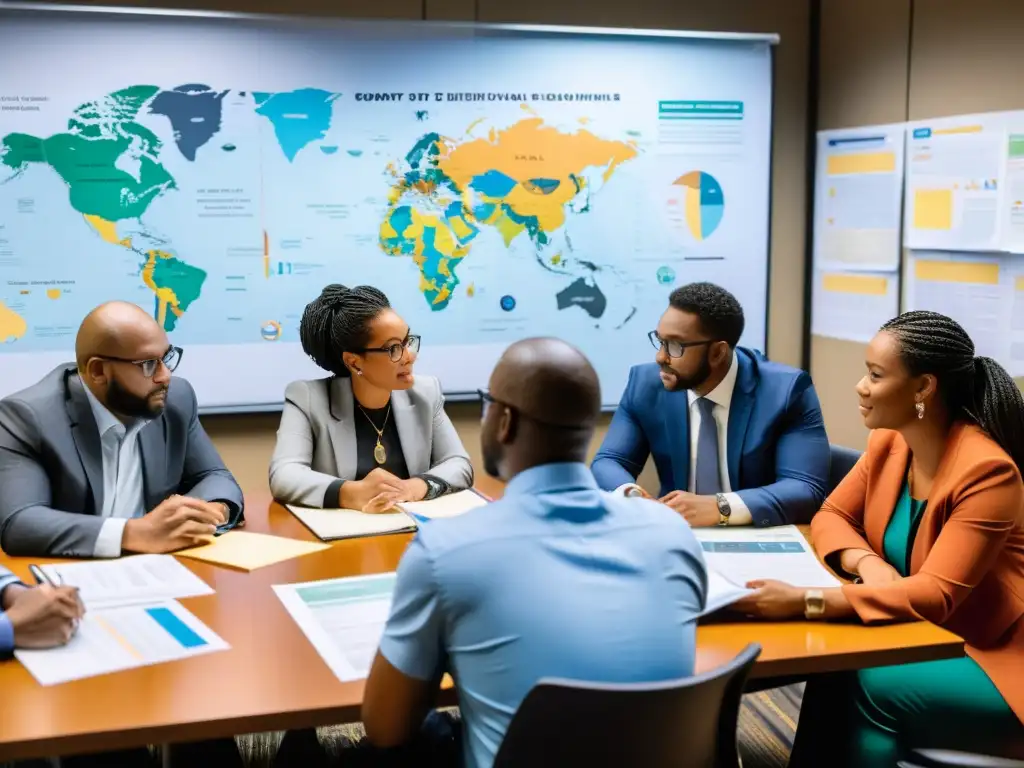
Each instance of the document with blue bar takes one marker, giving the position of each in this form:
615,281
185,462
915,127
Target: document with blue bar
743,555
116,639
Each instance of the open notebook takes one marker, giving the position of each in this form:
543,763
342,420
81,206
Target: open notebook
334,524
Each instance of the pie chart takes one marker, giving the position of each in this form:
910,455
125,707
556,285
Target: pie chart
702,202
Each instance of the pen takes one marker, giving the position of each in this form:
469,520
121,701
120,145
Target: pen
41,578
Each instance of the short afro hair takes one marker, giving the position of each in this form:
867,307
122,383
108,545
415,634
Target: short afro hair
721,316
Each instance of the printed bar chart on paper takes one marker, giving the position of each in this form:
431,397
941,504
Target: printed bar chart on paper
859,199
342,618
122,638
853,305
954,170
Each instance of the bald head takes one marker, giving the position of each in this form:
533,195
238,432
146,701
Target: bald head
550,381
113,344
548,399
119,329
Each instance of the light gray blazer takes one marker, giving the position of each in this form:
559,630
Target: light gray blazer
316,442
51,465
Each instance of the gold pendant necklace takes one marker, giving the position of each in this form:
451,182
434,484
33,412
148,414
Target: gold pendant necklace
380,455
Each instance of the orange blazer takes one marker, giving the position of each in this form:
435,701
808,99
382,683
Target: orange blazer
967,562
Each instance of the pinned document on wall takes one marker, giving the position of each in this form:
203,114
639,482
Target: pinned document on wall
970,288
853,305
859,199
955,170
1012,205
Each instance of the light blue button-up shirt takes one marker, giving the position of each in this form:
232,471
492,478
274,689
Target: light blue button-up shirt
557,579
123,495
6,628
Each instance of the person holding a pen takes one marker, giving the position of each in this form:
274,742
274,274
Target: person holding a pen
44,616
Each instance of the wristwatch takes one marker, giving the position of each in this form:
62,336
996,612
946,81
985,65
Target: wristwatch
434,488
724,510
814,604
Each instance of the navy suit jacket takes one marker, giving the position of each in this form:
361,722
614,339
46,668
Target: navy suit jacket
777,449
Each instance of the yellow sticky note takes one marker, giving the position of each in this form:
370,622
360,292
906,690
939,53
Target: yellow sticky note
1018,284
864,285
979,273
933,209
249,551
861,162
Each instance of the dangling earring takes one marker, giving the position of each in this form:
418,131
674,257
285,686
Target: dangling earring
920,409
360,373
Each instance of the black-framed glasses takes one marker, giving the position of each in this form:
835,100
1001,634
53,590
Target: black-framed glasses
171,359
675,348
487,400
395,351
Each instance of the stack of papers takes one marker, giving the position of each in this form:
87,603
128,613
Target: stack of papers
722,592
249,551
127,580
333,524
116,639
131,619
743,555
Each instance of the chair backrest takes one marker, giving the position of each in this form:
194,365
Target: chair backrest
686,723
843,460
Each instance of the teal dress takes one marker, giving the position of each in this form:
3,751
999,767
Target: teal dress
875,716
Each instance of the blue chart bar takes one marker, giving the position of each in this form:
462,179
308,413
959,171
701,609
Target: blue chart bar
176,628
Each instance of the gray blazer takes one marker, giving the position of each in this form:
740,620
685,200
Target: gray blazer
51,465
316,442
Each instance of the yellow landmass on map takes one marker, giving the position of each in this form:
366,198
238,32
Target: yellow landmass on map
12,325
529,150
107,230
165,297
53,293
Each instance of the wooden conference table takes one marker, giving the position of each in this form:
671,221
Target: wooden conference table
273,679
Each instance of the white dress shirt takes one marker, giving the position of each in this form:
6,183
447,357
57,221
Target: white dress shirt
123,496
721,396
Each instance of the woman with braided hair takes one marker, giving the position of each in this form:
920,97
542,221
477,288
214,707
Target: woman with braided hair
370,434
930,525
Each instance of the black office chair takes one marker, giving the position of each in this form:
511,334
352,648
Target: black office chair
688,723
843,460
944,758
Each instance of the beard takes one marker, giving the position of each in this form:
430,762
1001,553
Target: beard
702,374
120,400
491,454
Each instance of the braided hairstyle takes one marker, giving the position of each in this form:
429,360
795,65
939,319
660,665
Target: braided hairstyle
338,321
976,388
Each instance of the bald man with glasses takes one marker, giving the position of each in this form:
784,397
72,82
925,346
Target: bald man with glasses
106,455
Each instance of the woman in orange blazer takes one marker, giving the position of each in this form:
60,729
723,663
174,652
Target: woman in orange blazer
930,525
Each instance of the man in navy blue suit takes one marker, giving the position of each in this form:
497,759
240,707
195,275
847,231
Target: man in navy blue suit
736,439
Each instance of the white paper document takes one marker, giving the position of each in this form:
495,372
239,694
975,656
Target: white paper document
858,199
955,169
722,592
342,618
1012,205
450,505
332,524
129,580
853,305
742,555
116,639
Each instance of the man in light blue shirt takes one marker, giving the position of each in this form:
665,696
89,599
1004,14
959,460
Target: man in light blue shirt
557,579
37,617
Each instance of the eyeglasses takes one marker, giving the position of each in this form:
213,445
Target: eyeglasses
487,400
395,351
171,359
675,348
